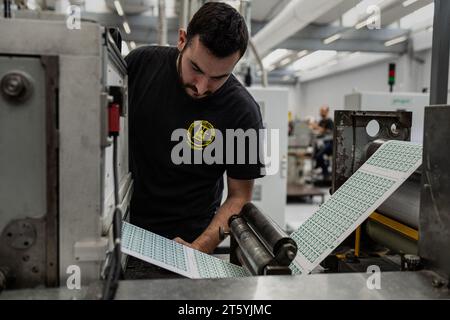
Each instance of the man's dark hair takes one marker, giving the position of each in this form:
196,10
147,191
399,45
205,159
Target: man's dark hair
221,29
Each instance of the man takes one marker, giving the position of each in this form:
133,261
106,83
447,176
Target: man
190,87
324,132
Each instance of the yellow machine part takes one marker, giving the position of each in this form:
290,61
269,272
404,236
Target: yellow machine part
390,223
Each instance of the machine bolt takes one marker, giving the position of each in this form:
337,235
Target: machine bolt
15,86
412,262
5,277
437,283
223,234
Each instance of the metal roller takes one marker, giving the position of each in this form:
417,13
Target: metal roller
275,240
390,238
252,253
404,204
370,148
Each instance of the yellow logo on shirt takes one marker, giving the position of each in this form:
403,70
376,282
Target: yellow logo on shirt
200,134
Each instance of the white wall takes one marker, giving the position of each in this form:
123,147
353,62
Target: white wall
427,70
331,90
294,100
412,76
293,95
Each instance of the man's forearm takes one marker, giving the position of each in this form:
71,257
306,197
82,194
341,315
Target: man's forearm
209,239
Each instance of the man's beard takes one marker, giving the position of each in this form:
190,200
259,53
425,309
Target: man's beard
188,85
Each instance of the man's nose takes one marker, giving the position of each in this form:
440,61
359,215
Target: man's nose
201,85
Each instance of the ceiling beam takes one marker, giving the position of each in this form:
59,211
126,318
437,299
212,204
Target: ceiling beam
294,43
395,11
299,44
136,21
149,36
144,30
315,31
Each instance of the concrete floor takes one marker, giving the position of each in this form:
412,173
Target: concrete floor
299,212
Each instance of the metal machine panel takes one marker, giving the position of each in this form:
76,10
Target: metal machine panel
88,63
394,285
351,139
28,172
397,101
434,240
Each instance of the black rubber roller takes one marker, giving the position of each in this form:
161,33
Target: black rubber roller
251,252
276,241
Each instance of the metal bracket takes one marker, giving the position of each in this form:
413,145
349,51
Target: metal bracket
91,250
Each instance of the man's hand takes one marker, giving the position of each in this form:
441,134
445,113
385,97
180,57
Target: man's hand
239,193
187,244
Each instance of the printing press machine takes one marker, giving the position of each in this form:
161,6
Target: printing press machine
62,176
63,123
393,228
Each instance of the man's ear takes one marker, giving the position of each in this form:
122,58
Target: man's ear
182,39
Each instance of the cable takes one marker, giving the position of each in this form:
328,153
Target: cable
354,145
7,8
115,268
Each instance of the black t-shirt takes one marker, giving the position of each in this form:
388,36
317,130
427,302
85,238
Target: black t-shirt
179,199
327,124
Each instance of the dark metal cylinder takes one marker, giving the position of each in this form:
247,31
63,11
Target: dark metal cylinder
256,256
390,239
5,278
404,204
276,241
370,148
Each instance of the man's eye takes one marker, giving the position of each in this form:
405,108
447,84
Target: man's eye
195,69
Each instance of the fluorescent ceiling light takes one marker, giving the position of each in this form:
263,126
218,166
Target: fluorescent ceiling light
292,58
395,41
369,20
126,27
133,45
302,53
285,61
118,7
331,63
355,15
362,24
408,3
275,56
313,60
333,38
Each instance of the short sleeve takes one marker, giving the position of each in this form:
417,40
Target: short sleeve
330,124
247,145
134,59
